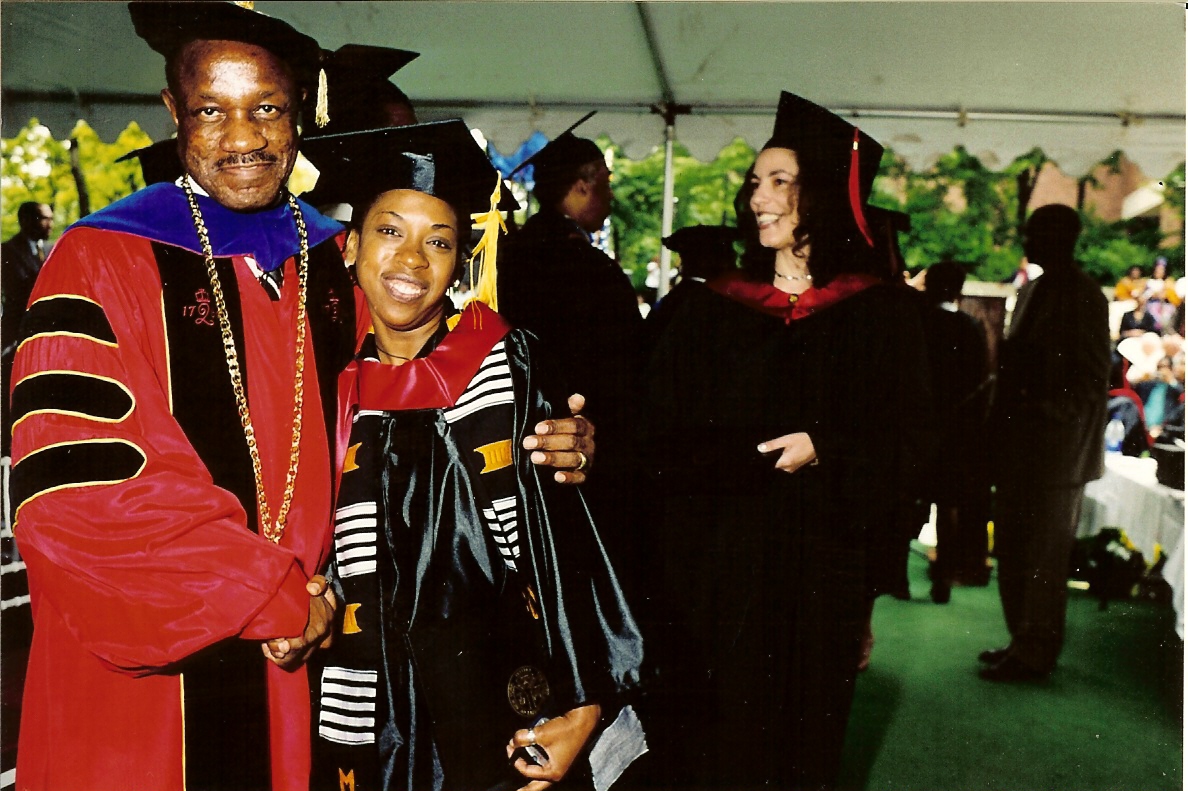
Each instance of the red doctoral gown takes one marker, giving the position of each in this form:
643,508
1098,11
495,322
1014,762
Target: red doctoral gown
137,559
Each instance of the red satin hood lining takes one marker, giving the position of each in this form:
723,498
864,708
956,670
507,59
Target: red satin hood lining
432,382
768,299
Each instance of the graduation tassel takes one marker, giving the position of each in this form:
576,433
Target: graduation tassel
490,223
322,107
855,194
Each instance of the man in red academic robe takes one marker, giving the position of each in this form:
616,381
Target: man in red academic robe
172,459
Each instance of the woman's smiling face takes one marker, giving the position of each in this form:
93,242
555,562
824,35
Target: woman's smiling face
775,195
405,255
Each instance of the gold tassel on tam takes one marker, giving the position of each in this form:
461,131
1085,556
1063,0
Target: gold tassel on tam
322,107
490,223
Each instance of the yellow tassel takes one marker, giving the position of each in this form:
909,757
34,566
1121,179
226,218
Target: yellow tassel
490,223
322,108
248,5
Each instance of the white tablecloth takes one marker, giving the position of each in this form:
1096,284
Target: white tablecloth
1129,497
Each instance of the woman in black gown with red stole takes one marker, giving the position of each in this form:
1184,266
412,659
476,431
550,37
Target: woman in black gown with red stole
775,401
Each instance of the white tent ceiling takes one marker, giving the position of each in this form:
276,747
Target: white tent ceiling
1079,80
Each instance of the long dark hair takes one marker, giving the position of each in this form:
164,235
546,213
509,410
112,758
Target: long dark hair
827,226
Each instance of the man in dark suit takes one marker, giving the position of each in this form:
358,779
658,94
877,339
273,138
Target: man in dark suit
20,261
1049,422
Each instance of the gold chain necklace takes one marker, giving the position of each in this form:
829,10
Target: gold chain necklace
272,530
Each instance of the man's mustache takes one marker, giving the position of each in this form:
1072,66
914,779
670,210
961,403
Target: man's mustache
237,160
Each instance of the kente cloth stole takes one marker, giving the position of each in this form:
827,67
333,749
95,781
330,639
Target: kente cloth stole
353,702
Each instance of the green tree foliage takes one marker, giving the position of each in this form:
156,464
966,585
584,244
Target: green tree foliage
704,193
36,167
960,210
1107,249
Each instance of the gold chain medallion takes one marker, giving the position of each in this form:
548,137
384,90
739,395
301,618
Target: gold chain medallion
272,530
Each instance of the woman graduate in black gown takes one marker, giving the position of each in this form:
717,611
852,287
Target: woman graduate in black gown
485,640
774,402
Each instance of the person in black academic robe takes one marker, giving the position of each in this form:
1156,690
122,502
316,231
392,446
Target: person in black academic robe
957,482
577,300
706,252
773,405
486,641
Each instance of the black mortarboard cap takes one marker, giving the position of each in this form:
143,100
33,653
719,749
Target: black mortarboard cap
158,162
168,26
440,158
833,143
811,130
897,221
563,154
362,62
701,239
885,227
358,77
946,278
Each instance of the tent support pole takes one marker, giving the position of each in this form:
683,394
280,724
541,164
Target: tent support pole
670,111
666,216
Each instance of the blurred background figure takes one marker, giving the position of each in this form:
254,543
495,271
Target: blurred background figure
1143,353
957,359
1125,406
705,251
1138,321
554,282
360,96
22,257
1160,394
1048,424
1131,284
1026,272
1162,299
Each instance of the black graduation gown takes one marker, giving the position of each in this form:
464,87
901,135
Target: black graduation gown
582,307
763,578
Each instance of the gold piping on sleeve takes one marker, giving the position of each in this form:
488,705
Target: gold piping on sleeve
83,415
144,462
64,333
181,684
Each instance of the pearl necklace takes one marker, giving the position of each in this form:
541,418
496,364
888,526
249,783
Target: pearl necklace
805,278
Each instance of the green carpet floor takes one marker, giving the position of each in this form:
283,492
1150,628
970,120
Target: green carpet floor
1109,719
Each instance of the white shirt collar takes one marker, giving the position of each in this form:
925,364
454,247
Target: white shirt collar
193,185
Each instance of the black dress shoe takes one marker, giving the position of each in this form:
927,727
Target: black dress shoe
993,656
941,592
1011,670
